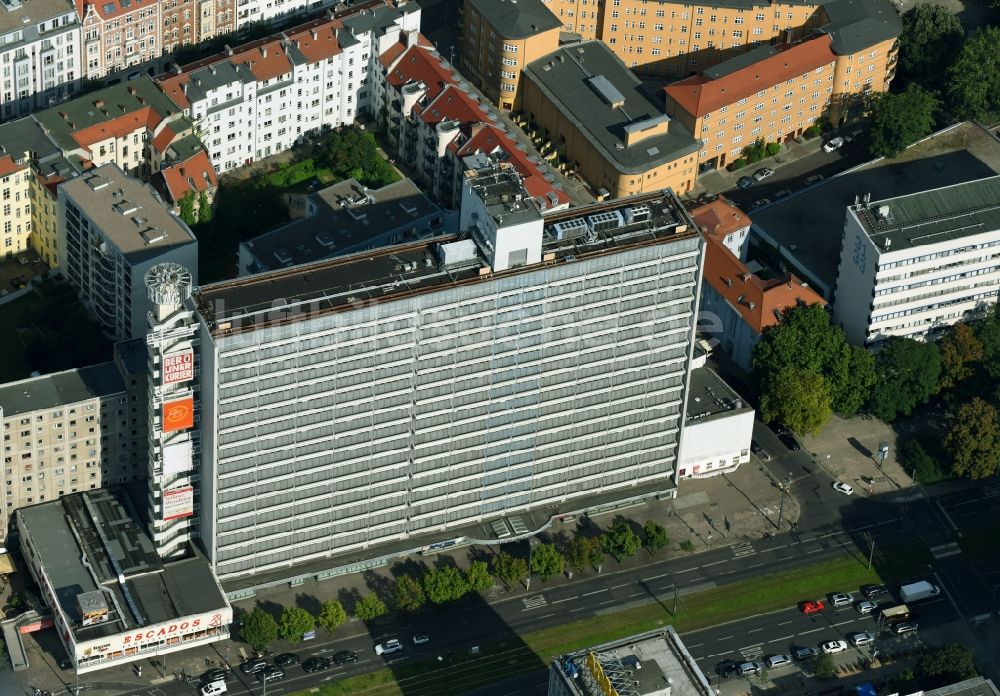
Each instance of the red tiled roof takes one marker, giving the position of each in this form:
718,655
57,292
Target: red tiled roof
396,50
719,218
117,10
173,87
196,173
452,104
266,61
8,166
324,46
118,127
699,95
729,277
163,139
418,65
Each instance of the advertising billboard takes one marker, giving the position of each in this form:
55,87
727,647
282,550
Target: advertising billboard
178,414
157,633
177,457
178,367
177,503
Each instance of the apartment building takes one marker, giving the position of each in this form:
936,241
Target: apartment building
73,431
39,54
112,229
263,97
601,118
119,34
579,17
272,11
179,24
500,38
913,265
725,223
215,18
186,172
772,93
537,366
438,127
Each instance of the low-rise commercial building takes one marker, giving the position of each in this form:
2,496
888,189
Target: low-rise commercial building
346,218
39,54
499,38
112,229
914,265
718,426
113,600
602,119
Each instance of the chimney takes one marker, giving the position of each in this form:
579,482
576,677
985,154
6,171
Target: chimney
177,69
411,38
212,68
131,90
296,44
228,49
98,103
263,51
314,34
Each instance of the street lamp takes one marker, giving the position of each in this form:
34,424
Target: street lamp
781,506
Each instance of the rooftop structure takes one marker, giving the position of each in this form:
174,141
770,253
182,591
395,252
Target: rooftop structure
59,388
518,19
112,598
976,686
726,223
710,397
648,664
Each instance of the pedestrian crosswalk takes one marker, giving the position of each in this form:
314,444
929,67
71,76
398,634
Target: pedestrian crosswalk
743,549
751,651
535,602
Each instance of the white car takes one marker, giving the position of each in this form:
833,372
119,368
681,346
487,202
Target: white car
834,144
844,488
862,638
421,638
832,647
213,689
866,607
841,599
390,646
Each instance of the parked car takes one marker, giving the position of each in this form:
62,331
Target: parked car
345,656
286,660
844,488
760,203
390,646
841,599
759,451
810,180
748,668
834,144
866,607
726,668
215,688
421,638
805,653
873,591
782,193
254,665
812,606
789,441
775,661
762,173
745,182
832,647
905,627
316,664
862,638
213,675
269,674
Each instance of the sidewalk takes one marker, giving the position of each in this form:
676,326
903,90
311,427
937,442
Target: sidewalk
723,179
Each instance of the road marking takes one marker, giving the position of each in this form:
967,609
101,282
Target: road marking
725,637
706,565
813,550
587,594
657,577
775,640
546,616
534,602
568,599
577,609
784,623
615,587
691,647
755,565
678,572
815,630
743,549
608,601
755,630
844,623
636,594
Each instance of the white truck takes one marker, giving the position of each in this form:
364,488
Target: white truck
916,591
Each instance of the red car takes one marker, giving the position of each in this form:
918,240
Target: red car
811,607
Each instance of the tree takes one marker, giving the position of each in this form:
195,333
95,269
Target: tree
294,622
584,551
446,584
796,398
921,465
510,569
259,628
946,664
852,376
331,615
370,607
899,120
823,667
908,374
620,541
656,536
186,206
974,77
478,577
546,561
204,209
409,593
974,440
755,151
987,332
960,350
930,40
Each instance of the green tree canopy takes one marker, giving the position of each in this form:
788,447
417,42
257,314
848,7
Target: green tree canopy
899,120
352,152
370,607
478,577
620,541
331,615
204,209
510,569
656,536
294,622
409,593
922,466
960,351
852,376
546,561
908,374
987,332
823,667
974,440
259,628
186,206
796,398
974,77
583,551
445,584
929,42
946,664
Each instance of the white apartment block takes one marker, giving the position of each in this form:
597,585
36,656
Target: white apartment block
913,265
39,54
112,229
263,98
119,34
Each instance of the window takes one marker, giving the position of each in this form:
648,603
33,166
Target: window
510,48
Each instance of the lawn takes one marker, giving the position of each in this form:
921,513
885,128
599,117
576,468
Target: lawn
535,650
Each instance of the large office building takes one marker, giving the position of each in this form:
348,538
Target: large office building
914,265
112,230
399,396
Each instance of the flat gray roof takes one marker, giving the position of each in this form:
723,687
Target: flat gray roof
90,538
128,212
517,19
808,226
60,388
567,78
857,24
31,12
25,135
977,686
710,396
